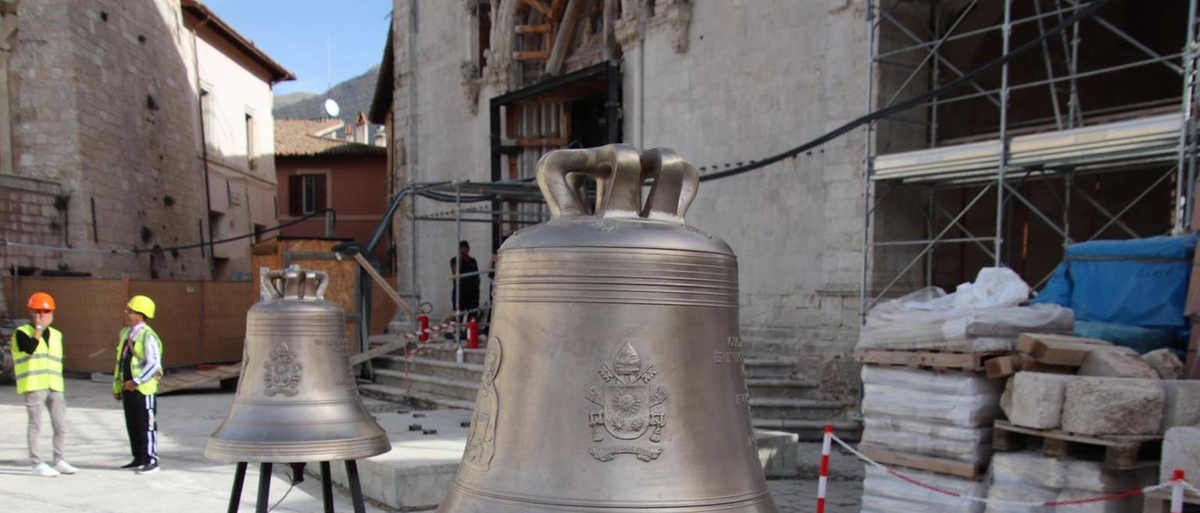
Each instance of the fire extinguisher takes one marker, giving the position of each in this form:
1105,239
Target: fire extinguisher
423,322
473,334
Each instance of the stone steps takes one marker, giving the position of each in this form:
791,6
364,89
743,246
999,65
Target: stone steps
448,388
419,399
780,387
777,368
812,430
796,409
467,372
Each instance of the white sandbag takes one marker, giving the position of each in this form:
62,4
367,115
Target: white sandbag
961,411
1018,492
948,383
1056,474
916,427
886,493
909,443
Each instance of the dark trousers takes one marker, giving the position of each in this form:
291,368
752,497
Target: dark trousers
142,425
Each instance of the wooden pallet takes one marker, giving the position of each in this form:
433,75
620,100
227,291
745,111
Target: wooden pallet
1118,452
1159,501
191,379
934,360
934,464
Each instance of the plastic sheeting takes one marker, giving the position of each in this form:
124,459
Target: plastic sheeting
1138,282
979,316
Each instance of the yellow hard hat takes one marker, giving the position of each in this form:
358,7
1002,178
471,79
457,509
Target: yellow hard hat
142,305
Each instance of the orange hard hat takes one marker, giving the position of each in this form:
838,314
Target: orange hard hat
41,301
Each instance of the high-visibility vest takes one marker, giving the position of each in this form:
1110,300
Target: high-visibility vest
42,369
149,386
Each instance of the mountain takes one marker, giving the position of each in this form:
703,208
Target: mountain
353,96
283,100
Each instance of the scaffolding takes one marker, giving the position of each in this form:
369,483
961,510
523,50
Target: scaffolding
508,204
1147,135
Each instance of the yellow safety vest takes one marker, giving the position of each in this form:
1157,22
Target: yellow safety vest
150,386
43,368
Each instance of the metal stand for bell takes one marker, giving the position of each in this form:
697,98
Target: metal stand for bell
264,487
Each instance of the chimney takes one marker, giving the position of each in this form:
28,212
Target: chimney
350,133
360,128
381,138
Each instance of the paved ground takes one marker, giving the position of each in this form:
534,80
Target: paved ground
97,444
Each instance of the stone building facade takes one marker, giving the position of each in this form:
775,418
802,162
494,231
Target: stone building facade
101,148
723,83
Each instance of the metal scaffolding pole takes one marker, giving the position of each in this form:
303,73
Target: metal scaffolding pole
1187,139
1063,83
1004,142
868,162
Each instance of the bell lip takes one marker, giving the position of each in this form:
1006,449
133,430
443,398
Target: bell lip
257,452
752,501
618,232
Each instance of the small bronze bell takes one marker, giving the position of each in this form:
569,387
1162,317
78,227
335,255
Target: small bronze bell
297,400
613,380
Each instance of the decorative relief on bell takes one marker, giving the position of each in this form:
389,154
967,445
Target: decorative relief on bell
627,407
283,371
481,440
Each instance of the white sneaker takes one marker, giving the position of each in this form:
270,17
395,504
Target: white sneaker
65,468
44,470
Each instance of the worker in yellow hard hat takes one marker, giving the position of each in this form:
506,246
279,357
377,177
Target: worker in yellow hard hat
37,352
135,383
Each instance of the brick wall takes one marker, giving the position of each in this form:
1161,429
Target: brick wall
28,215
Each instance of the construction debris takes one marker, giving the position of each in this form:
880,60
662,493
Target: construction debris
1037,400
1099,406
1181,450
1165,363
1111,364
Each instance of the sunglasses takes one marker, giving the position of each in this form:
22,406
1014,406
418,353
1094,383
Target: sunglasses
43,312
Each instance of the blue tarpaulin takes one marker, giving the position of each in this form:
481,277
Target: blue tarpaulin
1137,282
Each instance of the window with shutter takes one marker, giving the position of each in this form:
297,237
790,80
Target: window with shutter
306,194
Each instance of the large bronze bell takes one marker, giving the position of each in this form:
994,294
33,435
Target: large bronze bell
613,379
297,400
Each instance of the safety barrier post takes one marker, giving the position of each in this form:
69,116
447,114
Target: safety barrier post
823,480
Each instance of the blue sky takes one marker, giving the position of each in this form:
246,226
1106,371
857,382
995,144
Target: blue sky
312,38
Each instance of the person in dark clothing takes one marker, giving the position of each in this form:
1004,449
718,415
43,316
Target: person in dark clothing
135,383
469,302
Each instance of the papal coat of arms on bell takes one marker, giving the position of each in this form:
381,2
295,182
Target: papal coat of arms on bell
627,408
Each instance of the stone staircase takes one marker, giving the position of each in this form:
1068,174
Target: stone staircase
780,400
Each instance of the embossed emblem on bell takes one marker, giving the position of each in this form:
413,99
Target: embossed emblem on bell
297,400
621,387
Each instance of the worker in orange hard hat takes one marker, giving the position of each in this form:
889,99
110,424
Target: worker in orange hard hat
37,351
135,383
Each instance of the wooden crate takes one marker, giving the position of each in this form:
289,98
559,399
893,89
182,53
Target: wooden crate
1118,452
931,360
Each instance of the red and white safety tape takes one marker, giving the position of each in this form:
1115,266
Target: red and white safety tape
1178,484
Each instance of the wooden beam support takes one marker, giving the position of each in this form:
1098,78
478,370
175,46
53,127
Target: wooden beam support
534,29
563,38
539,55
383,284
541,7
